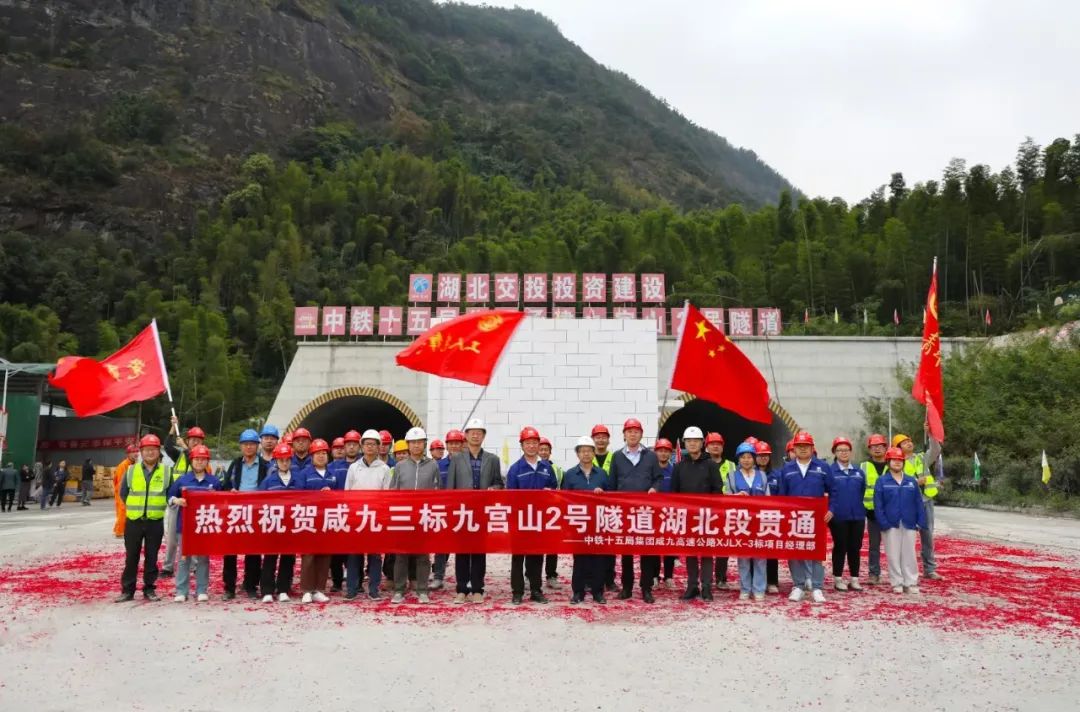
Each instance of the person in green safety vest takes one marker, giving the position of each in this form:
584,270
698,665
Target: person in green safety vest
551,561
144,490
918,466
714,446
874,467
601,438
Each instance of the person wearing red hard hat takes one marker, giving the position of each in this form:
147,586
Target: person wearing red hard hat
635,468
455,443
874,467
601,438
663,449
805,476
301,447
337,450
339,466
714,446
551,561
196,478
763,458
314,568
130,458
847,515
529,473
178,452
145,490
898,506
386,441
277,569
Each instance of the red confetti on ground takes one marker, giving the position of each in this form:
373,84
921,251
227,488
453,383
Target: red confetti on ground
989,587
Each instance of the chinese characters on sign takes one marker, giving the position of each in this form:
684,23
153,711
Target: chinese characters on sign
96,443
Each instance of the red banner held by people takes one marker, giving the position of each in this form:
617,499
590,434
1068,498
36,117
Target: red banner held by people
502,521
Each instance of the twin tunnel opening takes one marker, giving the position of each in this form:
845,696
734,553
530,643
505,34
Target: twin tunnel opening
333,413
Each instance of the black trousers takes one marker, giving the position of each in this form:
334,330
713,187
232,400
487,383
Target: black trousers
551,565
57,496
694,565
7,499
533,565
469,569
847,540
277,573
141,535
650,566
588,575
337,570
609,570
772,572
24,493
720,566
669,567
252,573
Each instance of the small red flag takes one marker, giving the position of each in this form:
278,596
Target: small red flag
806,316
927,388
988,317
709,366
134,373
896,317
467,347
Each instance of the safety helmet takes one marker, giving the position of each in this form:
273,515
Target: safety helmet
132,448
281,451
338,442
894,453
318,445
840,440
714,438
898,439
301,433
745,449
803,438
401,446
752,440
762,448
249,436
415,434
287,439
385,437
876,439
528,433
196,432
199,451
269,430
455,436
632,423
584,441
600,429
545,441
790,445
436,445
692,433
352,437
475,424
149,440
371,434
663,444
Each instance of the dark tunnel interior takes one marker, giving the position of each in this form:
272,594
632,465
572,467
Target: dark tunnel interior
712,418
335,418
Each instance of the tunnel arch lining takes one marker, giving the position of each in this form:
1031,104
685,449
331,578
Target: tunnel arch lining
354,392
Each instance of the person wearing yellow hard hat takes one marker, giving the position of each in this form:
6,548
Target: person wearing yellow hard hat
917,466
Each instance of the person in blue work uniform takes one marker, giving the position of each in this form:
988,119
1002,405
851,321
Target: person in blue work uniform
748,480
269,437
763,458
529,473
697,473
277,569
197,478
805,476
301,446
898,505
847,514
663,450
586,476
551,561
635,468
244,475
386,441
314,568
344,452
455,442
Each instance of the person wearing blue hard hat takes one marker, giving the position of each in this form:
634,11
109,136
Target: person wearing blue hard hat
244,474
268,440
749,480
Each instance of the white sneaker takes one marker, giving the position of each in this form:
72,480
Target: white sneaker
854,585
840,585
796,594
423,598
897,589
819,596
283,598
553,583
307,598
203,598
398,598
744,596
668,583
320,597
759,596
773,589
268,598
180,598
913,590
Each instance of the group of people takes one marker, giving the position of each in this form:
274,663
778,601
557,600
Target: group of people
46,482
890,496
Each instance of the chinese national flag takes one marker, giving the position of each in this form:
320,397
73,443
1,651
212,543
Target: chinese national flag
927,388
134,373
466,348
710,366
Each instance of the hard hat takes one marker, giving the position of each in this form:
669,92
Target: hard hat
338,442
876,439
455,436
401,446
545,441
249,436
840,440
301,433
196,432
385,437
287,438
790,446
269,430
436,445
714,438
762,448
475,424
199,451
149,440
693,433
632,423
318,445
528,433
371,434
894,453
898,439
132,448
745,449
415,434
752,440
353,437
584,441
663,444
600,429
803,438
281,451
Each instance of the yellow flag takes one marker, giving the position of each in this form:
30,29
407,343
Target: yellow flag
1046,469
506,452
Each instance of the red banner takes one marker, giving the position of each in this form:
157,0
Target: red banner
502,521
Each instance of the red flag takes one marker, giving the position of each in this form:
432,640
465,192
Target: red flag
927,388
806,316
896,317
988,317
710,366
678,451
134,373
466,348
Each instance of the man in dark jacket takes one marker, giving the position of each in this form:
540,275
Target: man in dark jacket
59,484
87,482
9,482
697,473
26,480
244,474
473,469
636,468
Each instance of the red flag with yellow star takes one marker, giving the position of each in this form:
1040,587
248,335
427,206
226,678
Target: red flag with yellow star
134,373
467,347
927,388
709,366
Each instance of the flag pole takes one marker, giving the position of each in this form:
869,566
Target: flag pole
678,345
165,375
475,405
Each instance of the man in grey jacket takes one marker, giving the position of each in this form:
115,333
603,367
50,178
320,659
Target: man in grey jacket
473,469
415,472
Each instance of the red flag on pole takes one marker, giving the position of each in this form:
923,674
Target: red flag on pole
709,366
988,317
806,316
467,347
927,388
134,373
896,317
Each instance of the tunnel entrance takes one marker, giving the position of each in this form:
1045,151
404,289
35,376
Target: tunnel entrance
334,413
712,418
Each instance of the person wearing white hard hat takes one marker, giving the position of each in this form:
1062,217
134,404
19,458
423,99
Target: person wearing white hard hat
586,476
415,471
369,472
473,469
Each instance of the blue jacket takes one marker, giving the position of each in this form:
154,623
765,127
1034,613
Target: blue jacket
299,464
310,479
444,467
774,480
759,487
896,504
665,486
188,480
521,475
846,492
574,479
815,484
340,468
272,483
